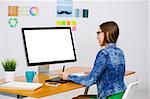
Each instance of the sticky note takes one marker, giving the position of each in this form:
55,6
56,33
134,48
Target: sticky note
74,22
74,28
58,23
63,22
68,23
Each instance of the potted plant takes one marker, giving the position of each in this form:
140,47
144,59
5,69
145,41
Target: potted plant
9,67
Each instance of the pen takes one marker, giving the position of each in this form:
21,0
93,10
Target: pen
63,68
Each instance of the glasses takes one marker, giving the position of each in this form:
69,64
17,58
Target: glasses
99,32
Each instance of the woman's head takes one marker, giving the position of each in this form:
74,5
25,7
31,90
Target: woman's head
108,33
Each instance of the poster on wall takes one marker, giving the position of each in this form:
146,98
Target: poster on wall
15,11
13,22
12,10
28,11
64,11
23,11
82,13
34,11
64,8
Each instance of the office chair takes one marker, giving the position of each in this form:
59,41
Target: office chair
129,93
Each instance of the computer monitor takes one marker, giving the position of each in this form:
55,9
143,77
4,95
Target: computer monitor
48,45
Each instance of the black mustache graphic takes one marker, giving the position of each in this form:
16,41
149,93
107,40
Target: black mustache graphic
64,12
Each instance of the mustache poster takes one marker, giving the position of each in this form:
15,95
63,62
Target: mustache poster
64,11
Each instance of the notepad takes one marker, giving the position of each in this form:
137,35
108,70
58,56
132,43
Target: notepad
21,85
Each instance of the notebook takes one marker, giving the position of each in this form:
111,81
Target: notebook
21,85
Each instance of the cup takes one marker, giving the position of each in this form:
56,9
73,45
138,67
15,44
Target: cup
30,75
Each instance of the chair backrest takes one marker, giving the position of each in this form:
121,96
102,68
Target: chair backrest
129,93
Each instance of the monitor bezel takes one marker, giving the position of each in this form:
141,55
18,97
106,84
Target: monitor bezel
48,62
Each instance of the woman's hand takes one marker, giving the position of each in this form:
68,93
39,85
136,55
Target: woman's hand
64,75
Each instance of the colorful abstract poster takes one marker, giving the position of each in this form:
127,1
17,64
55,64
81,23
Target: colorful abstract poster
12,10
34,11
64,11
28,11
23,11
13,22
85,13
77,12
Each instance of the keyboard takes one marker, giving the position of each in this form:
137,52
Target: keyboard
21,85
79,74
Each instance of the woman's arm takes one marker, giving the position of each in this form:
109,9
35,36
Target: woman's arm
99,66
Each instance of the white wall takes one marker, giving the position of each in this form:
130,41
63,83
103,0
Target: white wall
1,41
132,19
130,15
149,43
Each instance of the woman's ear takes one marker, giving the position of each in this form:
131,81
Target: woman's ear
107,36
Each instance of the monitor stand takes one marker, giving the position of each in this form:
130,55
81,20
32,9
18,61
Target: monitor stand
44,69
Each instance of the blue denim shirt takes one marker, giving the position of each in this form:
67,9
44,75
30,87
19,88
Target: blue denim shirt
108,72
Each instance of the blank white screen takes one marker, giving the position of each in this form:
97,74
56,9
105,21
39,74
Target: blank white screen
46,45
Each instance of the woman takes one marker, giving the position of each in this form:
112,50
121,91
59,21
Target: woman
109,67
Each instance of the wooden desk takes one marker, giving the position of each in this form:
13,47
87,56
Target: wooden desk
49,90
